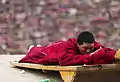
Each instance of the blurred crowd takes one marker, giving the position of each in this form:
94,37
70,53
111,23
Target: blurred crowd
41,22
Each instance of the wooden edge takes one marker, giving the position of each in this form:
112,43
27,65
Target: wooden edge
67,72
44,67
66,68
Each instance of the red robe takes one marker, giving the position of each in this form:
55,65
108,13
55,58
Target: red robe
67,53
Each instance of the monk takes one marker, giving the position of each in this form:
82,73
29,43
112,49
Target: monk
75,51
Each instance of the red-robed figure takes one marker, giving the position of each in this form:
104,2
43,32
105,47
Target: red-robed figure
76,51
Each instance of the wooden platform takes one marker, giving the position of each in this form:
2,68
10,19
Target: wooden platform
87,73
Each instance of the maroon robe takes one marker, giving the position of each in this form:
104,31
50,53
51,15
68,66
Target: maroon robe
67,53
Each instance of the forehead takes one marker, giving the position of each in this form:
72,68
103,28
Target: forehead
87,45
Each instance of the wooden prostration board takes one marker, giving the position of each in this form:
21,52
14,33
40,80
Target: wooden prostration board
67,72
87,73
44,67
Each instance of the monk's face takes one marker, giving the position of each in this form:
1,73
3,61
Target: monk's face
86,48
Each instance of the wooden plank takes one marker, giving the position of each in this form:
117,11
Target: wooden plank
67,68
69,73
44,67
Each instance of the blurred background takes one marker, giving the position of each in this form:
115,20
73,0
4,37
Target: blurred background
41,22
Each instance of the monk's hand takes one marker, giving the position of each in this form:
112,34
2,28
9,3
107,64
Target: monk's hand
95,51
117,55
